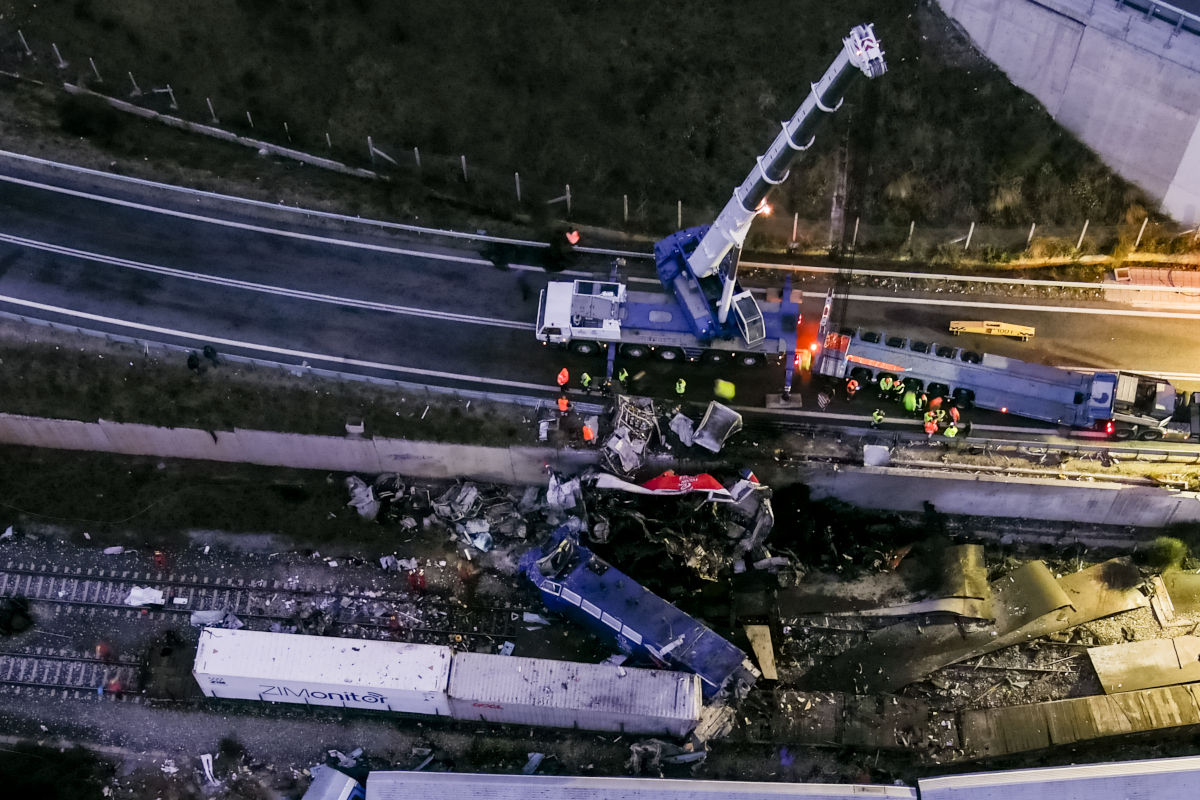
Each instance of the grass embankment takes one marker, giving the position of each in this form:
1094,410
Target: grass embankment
70,376
653,100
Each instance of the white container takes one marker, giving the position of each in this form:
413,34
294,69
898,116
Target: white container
563,694
318,670
409,785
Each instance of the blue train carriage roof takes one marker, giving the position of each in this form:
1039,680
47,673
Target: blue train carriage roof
583,586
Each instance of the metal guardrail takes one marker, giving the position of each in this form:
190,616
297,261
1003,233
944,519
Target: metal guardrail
1182,20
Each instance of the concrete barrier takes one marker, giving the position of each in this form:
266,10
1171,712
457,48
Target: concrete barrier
1124,82
520,465
1098,503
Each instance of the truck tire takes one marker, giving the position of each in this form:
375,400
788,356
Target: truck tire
1150,435
749,359
582,347
1124,434
717,357
635,351
669,354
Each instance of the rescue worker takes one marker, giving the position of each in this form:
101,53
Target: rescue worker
680,386
588,434
898,389
623,377
940,415
724,389
951,431
931,427
910,402
563,377
885,386
922,401
935,403
851,388
586,380
928,417
954,413
876,418
564,405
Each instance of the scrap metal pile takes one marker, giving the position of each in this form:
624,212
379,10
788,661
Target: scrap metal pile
635,424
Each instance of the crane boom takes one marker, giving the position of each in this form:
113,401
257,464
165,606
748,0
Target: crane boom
704,250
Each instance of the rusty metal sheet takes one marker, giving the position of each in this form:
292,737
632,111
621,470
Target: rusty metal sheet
901,654
1027,604
1145,665
1184,590
964,572
1016,729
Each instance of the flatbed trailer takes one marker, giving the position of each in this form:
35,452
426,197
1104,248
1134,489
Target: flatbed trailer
588,316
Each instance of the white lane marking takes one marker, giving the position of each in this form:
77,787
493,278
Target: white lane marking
245,226
917,301
479,237
264,348
296,294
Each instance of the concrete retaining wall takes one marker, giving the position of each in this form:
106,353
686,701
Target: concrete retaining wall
1128,86
519,465
1099,503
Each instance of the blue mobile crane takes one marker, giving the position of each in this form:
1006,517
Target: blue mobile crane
707,314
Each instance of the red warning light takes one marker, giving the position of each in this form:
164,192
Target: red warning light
813,347
1004,409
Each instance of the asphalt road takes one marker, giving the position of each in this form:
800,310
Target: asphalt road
169,266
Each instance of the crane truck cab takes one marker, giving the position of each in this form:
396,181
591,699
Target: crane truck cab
582,314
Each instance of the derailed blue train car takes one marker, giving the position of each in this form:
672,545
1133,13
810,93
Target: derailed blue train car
577,583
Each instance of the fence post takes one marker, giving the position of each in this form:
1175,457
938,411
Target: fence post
854,239
970,233
626,198
211,113
1029,240
517,178
250,119
464,166
795,225
61,64
287,132
1140,232
92,61
568,199
679,215
417,156
912,225
328,141
1082,233
25,44
137,90
371,150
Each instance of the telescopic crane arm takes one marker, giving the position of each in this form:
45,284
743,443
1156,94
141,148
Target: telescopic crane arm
699,265
860,53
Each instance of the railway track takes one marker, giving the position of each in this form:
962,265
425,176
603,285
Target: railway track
373,614
70,671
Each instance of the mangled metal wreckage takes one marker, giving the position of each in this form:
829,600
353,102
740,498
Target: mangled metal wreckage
575,582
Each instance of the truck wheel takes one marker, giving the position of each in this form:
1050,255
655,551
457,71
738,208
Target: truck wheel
669,354
635,350
749,359
1124,434
1153,434
717,357
584,348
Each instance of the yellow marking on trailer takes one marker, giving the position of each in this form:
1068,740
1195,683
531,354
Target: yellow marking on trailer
1022,332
